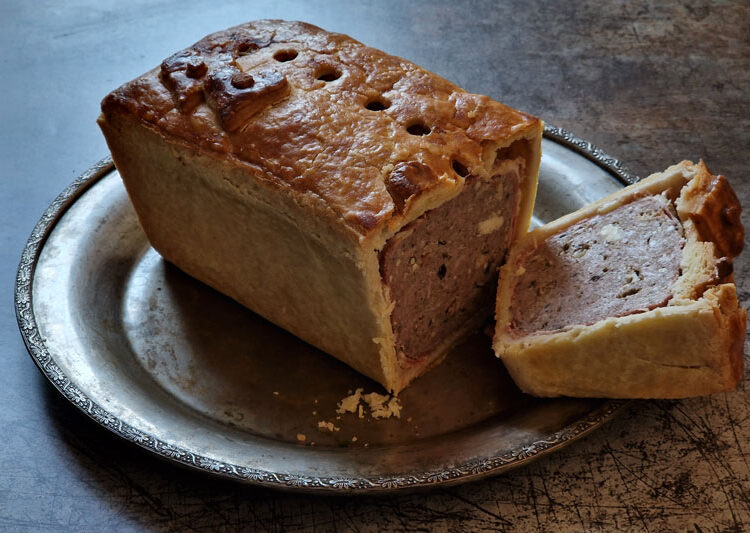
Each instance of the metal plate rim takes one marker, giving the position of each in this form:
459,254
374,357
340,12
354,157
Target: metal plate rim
460,473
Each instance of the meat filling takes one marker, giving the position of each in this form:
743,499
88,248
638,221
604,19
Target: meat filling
616,264
441,270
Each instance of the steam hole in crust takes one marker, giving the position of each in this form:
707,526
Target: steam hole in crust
418,129
377,105
285,55
329,74
442,271
460,169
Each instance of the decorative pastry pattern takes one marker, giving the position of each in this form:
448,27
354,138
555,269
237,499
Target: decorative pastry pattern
407,180
329,101
237,95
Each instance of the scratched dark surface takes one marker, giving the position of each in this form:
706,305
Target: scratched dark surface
648,83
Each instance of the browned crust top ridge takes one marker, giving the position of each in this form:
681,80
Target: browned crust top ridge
323,115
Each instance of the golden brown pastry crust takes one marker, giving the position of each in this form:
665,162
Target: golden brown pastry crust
316,137
256,164
690,347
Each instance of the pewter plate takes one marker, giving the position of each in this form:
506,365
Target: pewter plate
167,363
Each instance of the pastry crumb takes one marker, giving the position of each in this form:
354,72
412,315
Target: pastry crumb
328,426
350,403
382,405
275,393
301,437
354,438
377,405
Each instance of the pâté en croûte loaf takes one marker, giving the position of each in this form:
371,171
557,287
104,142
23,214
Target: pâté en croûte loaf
347,195
632,296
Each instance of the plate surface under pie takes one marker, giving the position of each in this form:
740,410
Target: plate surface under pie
175,367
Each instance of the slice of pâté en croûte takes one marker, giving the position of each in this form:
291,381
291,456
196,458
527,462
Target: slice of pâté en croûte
630,297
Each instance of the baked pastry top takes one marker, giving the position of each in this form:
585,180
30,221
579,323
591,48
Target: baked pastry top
341,125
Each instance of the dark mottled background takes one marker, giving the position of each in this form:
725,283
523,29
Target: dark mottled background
649,82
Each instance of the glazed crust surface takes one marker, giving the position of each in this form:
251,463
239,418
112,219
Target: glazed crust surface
691,346
302,107
274,160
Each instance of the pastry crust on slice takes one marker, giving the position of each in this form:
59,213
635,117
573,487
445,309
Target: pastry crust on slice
690,346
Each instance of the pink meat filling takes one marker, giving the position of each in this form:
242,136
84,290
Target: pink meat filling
616,264
441,270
